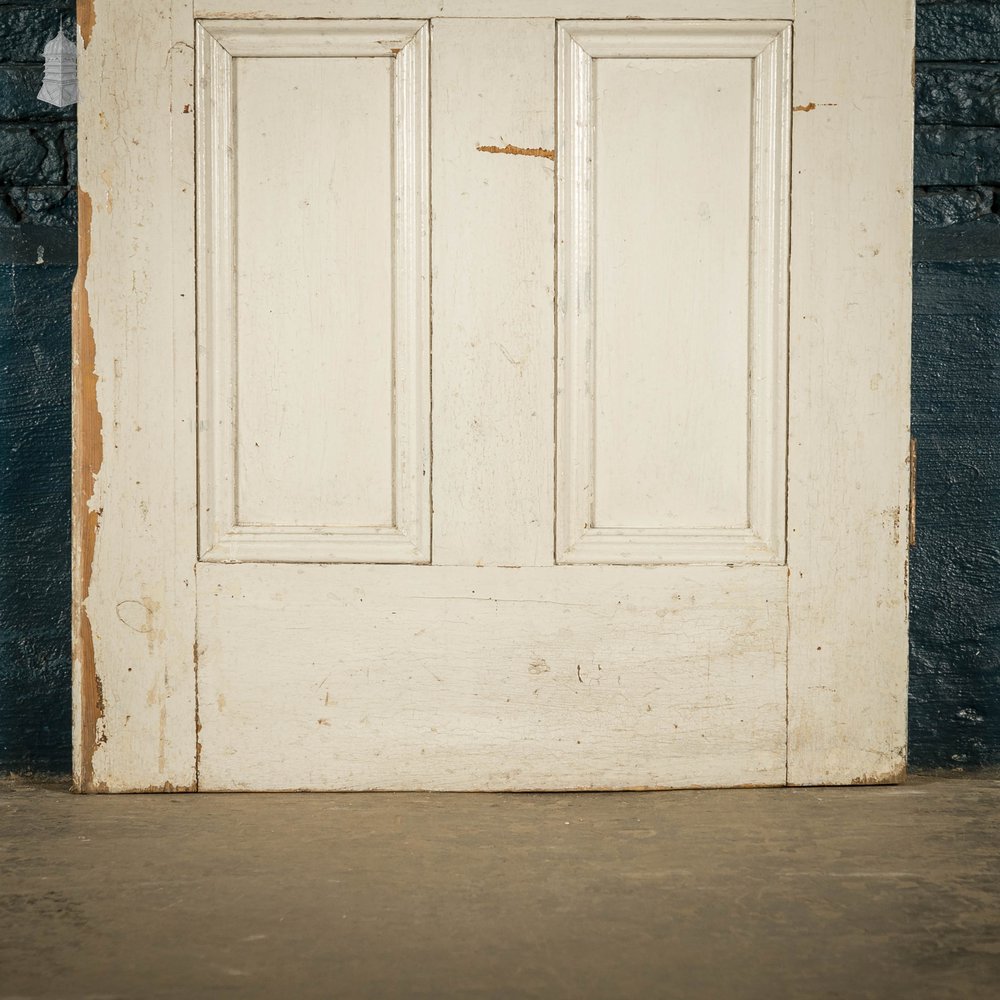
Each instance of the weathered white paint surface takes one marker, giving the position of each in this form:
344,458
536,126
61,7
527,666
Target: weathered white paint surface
318,371
669,128
730,9
493,667
646,358
314,443
849,391
134,691
400,677
493,232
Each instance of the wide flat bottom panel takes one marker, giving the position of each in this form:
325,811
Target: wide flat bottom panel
451,678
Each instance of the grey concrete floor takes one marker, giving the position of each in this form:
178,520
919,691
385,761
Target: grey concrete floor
842,892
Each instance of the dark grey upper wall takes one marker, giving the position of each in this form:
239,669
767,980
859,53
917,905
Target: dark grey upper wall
955,568
37,141
955,573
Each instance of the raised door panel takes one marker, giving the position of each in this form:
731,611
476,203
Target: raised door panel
314,309
673,260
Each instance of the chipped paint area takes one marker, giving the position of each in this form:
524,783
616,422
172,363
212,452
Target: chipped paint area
86,18
87,459
896,775
509,150
133,608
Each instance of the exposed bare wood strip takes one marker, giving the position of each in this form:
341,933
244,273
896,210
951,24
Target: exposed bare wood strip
86,17
134,725
87,458
549,154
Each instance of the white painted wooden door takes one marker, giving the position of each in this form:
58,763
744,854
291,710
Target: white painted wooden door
549,416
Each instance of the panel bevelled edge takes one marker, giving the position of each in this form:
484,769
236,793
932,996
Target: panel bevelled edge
221,537
768,45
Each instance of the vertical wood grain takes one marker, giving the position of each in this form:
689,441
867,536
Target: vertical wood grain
134,399
672,292
314,439
849,391
493,286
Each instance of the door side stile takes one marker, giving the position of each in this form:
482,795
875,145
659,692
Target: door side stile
134,514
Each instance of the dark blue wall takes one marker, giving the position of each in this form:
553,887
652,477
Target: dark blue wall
955,574
37,264
955,569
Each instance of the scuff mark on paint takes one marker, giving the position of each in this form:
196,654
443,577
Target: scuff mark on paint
135,615
894,773
88,454
221,701
509,150
162,754
519,365
894,514
168,788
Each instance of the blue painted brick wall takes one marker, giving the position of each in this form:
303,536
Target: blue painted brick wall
37,264
955,569
955,573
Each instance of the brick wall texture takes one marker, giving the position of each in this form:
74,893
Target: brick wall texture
955,570
37,264
37,141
